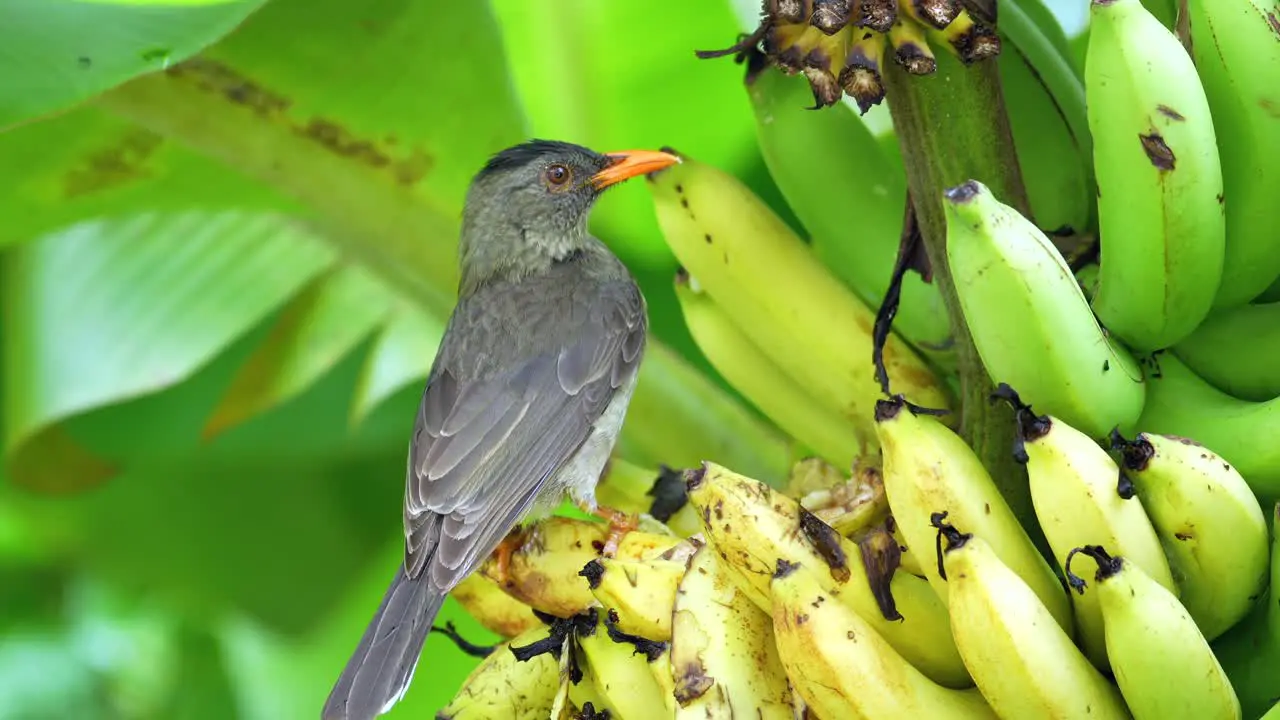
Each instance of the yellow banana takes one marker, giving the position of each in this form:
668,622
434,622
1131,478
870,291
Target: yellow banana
1210,522
626,686
753,527
769,282
723,655
497,611
842,667
642,592
542,570
504,688
1073,488
749,371
967,39
1163,665
862,76
929,469
1022,661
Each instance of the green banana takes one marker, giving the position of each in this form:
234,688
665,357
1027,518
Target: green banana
1029,318
1236,350
1211,525
1243,433
1073,488
780,295
929,469
1055,167
853,209
1250,651
842,667
1023,662
752,373
1155,153
1163,665
1236,46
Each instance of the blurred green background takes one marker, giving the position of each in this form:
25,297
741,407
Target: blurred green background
221,287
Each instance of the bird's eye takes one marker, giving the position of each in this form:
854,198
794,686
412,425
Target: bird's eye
557,175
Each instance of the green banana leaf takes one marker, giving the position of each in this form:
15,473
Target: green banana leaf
221,290
57,53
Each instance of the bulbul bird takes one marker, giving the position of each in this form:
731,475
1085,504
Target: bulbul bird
524,399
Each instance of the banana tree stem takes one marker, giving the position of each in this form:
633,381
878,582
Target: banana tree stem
952,126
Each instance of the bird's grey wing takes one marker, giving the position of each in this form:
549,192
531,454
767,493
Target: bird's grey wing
484,446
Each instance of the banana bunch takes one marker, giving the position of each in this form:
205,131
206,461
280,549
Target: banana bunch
883,574
839,46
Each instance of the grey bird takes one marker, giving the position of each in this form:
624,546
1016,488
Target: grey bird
525,397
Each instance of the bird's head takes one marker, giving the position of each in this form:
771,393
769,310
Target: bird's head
530,202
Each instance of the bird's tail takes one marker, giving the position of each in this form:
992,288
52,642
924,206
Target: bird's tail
382,665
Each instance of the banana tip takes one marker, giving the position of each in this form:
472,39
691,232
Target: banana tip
693,477
964,192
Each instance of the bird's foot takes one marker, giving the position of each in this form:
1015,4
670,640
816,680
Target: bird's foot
620,523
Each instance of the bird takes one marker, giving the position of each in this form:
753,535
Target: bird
524,399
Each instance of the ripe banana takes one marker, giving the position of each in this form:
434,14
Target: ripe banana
753,527
749,371
620,672
501,686
1213,530
864,185
542,571
861,77
641,592
1236,46
723,654
842,666
497,611
1155,154
1163,665
1029,319
929,469
1241,432
1235,349
847,505
1021,660
1073,488
780,295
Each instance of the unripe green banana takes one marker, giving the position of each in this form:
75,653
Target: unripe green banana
852,209
740,362
1243,433
1025,664
1163,665
1236,350
1073,488
1155,152
766,278
929,469
1029,318
1250,651
1236,46
1211,525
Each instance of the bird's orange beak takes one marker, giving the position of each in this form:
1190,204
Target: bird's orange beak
631,163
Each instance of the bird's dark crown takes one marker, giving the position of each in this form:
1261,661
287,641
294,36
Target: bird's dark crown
520,155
